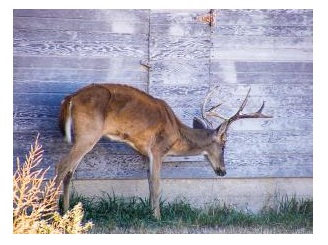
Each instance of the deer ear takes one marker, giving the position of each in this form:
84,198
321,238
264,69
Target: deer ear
222,129
221,133
198,124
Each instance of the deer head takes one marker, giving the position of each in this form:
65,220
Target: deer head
216,156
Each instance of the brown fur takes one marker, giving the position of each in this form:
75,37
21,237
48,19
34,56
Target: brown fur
129,115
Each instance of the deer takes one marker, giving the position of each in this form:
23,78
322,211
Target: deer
126,114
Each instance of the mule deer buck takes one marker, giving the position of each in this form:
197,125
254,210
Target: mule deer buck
147,124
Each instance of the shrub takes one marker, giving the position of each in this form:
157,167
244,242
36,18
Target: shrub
35,201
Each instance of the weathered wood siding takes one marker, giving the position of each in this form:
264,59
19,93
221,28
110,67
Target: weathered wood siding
58,51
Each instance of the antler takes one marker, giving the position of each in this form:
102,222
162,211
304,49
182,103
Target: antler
210,112
257,114
224,126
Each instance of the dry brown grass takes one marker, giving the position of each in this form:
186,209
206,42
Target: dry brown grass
35,201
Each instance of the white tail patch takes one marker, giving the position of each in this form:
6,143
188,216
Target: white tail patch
68,125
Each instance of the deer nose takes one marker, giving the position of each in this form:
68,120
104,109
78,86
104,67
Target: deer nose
220,172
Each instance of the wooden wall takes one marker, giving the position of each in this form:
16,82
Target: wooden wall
58,51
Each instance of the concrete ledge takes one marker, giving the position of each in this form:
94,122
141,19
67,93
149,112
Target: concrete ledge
251,194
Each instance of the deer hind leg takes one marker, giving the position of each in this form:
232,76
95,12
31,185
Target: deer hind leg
155,161
67,166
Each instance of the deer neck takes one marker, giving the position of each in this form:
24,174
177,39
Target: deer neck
192,141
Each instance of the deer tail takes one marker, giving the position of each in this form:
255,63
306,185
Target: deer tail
65,119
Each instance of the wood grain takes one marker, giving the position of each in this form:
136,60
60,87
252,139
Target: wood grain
55,52
108,48
268,17
135,15
118,21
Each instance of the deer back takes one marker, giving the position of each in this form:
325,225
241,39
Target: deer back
126,114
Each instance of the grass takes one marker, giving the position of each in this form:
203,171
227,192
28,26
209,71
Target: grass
113,214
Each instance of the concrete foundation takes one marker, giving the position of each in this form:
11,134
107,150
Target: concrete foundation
252,194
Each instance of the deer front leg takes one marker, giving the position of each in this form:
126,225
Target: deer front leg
153,172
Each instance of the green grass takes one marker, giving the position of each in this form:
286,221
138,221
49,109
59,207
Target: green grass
113,214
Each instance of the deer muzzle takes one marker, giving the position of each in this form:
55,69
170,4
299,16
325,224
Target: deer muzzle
220,172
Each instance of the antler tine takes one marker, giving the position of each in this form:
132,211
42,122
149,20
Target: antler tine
260,114
205,101
214,107
215,114
257,114
260,111
210,112
261,108
242,106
